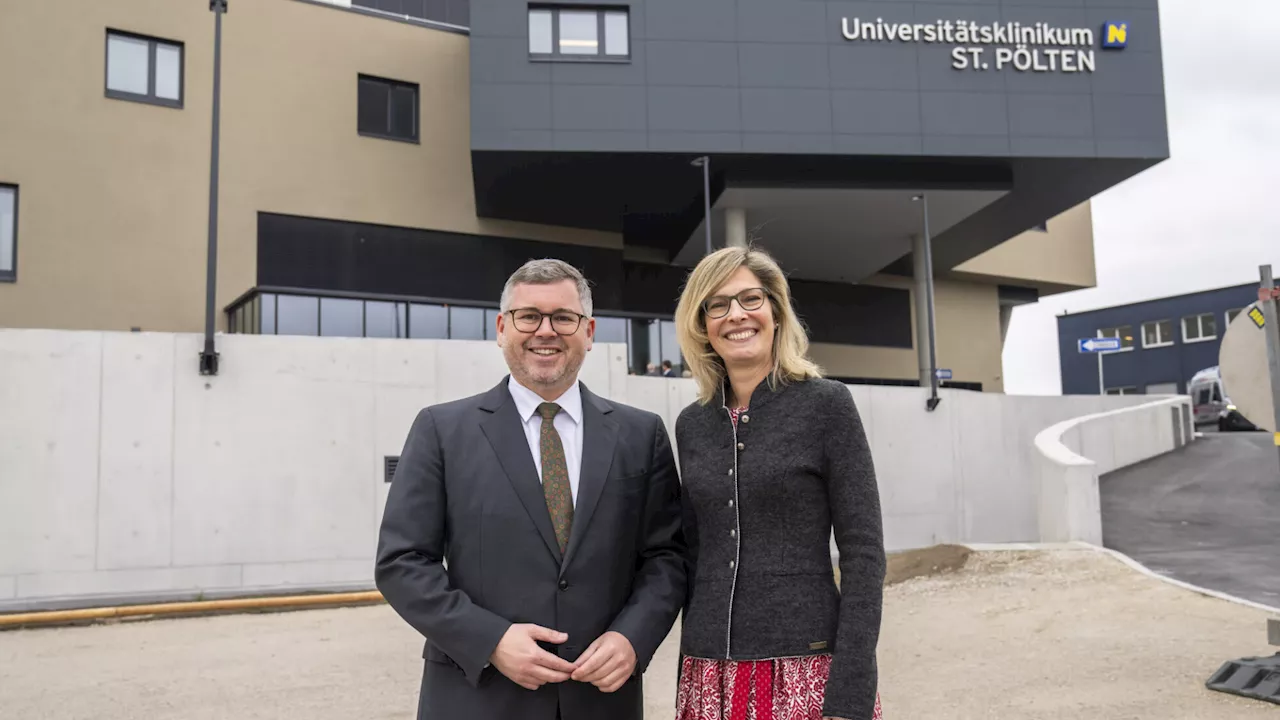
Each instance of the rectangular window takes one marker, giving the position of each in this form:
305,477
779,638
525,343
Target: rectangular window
1231,314
387,109
1122,391
428,322
144,69
1199,328
1124,332
8,233
579,33
1157,334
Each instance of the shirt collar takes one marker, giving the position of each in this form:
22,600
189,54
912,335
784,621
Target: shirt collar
527,401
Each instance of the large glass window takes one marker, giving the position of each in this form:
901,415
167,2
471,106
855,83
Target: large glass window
1124,332
144,69
1157,334
384,319
1198,328
341,318
387,109
8,232
611,330
428,322
466,323
579,33
297,315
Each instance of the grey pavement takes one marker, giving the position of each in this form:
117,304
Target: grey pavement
1208,514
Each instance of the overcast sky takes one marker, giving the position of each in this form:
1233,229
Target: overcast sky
1205,218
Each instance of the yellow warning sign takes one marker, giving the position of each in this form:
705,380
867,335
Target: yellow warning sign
1257,317
1277,439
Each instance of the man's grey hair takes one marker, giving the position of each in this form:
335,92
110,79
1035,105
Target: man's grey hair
546,272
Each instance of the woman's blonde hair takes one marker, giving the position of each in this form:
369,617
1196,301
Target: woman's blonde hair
790,341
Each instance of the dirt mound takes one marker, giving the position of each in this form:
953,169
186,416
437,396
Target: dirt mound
924,562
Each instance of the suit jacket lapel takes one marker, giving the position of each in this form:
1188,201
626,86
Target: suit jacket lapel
505,432
599,436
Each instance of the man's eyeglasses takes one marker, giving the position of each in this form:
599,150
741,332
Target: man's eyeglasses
717,306
563,322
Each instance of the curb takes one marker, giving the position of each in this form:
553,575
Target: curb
1080,545
204,607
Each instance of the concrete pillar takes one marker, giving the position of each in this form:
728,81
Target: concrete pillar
923,298
735,227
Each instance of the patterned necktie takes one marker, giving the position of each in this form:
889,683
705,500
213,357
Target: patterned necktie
555,476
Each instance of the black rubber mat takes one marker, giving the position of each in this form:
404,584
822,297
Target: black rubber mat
1251,677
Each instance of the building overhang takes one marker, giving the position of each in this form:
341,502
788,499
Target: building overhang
836,217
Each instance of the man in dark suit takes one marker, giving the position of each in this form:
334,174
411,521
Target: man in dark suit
557,514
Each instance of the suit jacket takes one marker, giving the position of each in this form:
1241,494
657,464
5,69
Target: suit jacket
467,548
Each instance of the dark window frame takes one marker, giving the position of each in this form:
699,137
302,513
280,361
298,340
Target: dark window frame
391,86
11,276
601,55
152,43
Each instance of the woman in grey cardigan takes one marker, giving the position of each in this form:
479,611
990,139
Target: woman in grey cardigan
772,458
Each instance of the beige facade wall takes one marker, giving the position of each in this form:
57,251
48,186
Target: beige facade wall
967,323
114,194
1055,261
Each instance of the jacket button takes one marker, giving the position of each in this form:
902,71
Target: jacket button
746,418
741,446
730,471
564,584
731,564
733,533
730,503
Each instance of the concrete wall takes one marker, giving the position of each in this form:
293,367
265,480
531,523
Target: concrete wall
124,473
1073,454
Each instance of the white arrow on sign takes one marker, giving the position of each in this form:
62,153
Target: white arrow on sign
1098,344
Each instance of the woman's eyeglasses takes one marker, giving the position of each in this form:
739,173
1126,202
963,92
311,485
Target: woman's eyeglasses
717,306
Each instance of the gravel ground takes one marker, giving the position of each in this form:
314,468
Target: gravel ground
1031,636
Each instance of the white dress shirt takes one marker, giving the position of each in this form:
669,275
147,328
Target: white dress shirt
568,424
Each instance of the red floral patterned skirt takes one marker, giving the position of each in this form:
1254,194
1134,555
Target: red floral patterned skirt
781,689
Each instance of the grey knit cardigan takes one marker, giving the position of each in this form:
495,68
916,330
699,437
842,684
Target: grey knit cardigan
760,502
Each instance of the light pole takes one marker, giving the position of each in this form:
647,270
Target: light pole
704,162
925,265
208,355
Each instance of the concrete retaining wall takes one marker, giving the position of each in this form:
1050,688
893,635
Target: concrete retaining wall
124,473
1073,454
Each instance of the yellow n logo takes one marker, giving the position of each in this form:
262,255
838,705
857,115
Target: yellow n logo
1116,35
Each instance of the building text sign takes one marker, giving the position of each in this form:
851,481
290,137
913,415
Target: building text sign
1025,48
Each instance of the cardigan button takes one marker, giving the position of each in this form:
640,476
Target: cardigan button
733,533
746,418
741,446
731,564
730,471
730,503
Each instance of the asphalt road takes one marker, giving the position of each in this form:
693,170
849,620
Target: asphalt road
1208,515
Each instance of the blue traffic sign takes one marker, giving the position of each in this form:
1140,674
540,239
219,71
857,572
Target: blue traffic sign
1097,345
944,374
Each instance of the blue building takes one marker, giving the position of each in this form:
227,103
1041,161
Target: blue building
1164,341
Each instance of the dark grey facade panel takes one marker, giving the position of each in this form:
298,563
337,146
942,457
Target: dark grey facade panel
965,114
994,146
876,112
689,62
879,144
776,110
704,20
792,65
1032,147
793,143
1117,117
695,109
591,108
1051,116
1131,75
863,67
600,141
696,142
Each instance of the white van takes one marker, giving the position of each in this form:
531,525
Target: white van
1211,404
